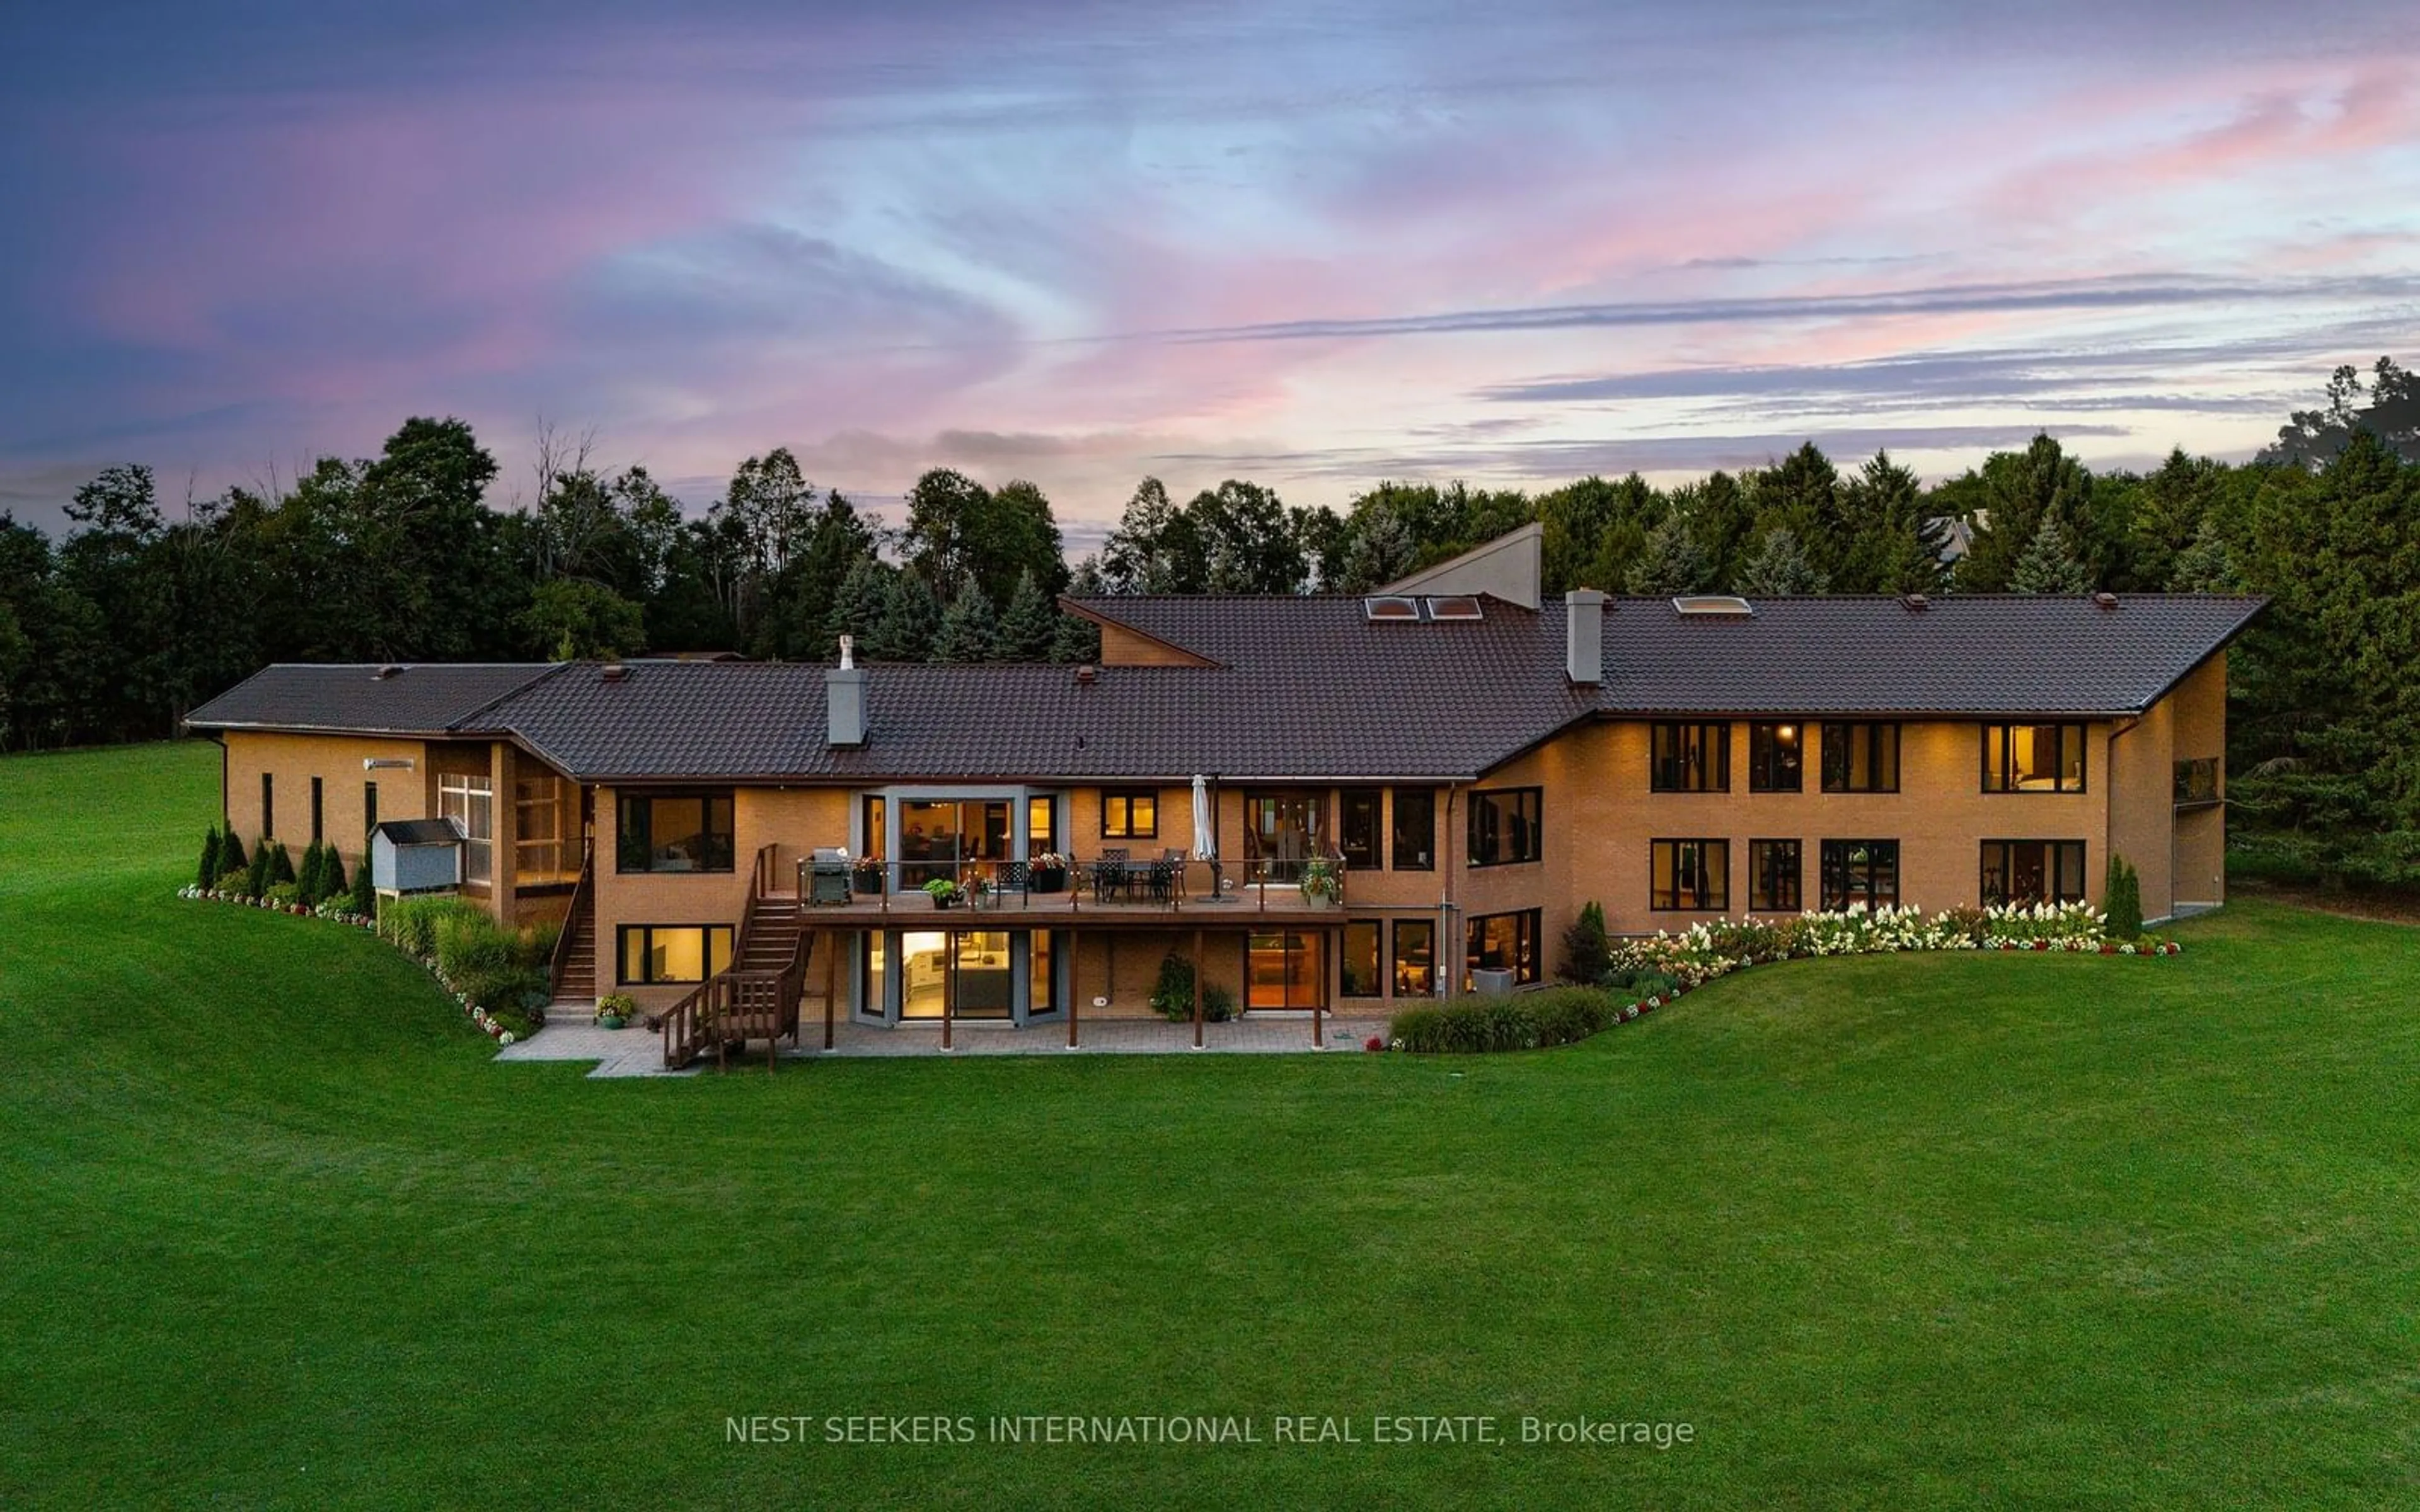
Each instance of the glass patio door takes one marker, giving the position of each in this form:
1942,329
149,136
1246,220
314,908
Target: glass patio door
1284,969
1282,830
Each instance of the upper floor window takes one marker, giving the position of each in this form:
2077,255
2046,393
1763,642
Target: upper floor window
1129,815
2033,758
1504,825
1861,757
1415,830
674,832
1691,758
1361,834
1775,757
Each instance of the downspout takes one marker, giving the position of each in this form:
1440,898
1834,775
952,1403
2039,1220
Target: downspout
1450,942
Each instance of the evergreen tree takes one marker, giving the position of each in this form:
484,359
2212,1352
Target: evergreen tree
1672,563
1382,550
1779,567
2048,565
858,610
280,864
331,873
231,857
306,877
2205,566
911,620
365,895
207,874
969,631
1032,622
261,874
1077,642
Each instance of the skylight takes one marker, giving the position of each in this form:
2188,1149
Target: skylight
1713,603
1455,606
1391,608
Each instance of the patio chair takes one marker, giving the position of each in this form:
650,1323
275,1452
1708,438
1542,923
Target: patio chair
1016,878
1165,874
1110,875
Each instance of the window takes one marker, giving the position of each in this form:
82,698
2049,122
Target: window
657,955
676,832
370,807
1692,876
2033,872
1359,967
1415,958
1691,758
1773,876
1040,826
1042,972
267,804
2197,781
1504,825
1282,830
537,832
939,837
1860,873
1364,821
471,803
1861,757
2033,758
316,810
1777,758
1503,942
1284,969
1129,815
1415,830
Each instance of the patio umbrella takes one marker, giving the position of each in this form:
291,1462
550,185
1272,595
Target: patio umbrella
1206,833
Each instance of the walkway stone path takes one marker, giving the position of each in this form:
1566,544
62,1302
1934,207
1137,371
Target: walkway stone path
636,1052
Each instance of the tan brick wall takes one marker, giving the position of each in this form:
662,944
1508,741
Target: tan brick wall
293,760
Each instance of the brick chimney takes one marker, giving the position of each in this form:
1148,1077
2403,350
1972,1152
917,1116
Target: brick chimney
1584,636
845,698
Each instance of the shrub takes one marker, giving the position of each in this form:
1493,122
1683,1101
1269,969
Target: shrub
262,871
1476,1027
1567,1015
281,865
236,880
1632,984
207,874
332,874
307,885
470,944
514,1022
285,894
1586,950
619,1004
231,855
411,923
536,945
1172,994
2121,899
365,896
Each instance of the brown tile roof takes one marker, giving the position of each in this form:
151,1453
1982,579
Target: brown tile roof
1304,687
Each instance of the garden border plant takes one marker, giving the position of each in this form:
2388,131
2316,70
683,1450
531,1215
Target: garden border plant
497,976
1649,972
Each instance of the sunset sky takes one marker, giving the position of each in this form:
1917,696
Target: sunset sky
1081,243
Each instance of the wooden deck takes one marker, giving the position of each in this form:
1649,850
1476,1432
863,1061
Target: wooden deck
1282,908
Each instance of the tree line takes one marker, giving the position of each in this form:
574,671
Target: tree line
116,631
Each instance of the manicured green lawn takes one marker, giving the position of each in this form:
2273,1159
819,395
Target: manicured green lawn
1990,1231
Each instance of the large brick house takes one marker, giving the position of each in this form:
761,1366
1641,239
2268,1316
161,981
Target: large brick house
1475,763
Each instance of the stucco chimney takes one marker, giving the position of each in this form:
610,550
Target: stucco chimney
1584,636
845,698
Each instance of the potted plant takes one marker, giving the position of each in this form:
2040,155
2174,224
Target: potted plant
1321,886
943,892
1049,873
615,1009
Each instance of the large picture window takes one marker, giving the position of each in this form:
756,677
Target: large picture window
1130,815
1415,958
1773,876
674,832
1415,830
1505,826
939,836
1690,758
1860,873
1777,757
1689,875
1503,942
1860,757
2033,872
657,955
2033,758
470,802
1360,827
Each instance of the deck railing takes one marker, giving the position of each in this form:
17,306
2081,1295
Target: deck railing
735,1006
1102,881
583,896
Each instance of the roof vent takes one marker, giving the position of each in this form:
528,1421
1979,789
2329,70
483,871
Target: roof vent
1914,603
1390,608
1713,603
390,670
1456,607
1087,675
613,672
2107,600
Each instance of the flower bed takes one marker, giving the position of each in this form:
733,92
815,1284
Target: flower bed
1652,972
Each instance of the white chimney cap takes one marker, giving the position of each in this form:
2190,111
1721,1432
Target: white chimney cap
847,651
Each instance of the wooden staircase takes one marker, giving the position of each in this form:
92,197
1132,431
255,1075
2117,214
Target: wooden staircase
573,971
758,998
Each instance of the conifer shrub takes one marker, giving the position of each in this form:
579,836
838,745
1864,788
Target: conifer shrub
281,865
231,857
308,887
260,875
332,874
1586,950
206,876
2121,901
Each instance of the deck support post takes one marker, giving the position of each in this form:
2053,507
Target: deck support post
1197,989
832,978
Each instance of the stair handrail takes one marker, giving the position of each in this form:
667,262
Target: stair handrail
582,896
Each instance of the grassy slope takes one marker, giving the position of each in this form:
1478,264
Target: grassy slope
1895,1231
